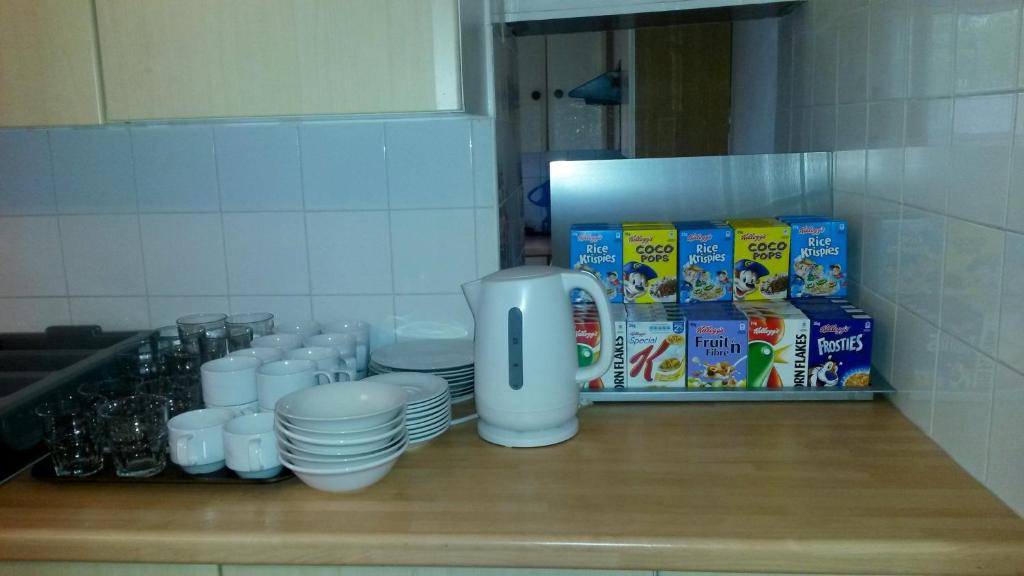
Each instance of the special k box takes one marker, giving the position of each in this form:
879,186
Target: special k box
588,345
777,349
649,262
655,346
761,259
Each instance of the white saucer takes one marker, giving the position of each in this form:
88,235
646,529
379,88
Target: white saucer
422,355
420,387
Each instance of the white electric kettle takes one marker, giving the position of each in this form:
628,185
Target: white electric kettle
526,368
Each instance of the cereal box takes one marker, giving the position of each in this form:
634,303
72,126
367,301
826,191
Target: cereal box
840,348
705,261
649,262
716,346
597,248
818,253
777,347
760,259
656,348
588,345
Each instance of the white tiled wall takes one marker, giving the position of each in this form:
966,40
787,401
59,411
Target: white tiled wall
922,101
132,226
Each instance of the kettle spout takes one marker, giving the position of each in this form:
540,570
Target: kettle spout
472,292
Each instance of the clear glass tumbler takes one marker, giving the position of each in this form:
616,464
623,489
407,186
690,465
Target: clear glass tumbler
183,392
135,427
203,334
261,323
72,433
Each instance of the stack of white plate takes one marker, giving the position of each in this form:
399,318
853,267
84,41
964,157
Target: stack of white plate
428,413
449,359
343,436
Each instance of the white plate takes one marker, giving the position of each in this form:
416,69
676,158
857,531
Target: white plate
429,406
429,421
421,438
420,387
422,355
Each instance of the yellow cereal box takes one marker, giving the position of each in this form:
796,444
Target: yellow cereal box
761,259
649,262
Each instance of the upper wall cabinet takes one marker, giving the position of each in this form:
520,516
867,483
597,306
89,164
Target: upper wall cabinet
48,63
223,58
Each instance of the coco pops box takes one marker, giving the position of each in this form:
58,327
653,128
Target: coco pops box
818,254
649,262
760,259
705,261
597,249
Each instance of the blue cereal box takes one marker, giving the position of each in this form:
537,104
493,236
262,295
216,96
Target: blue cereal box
705,261
818,257
840,349
716,346
597,248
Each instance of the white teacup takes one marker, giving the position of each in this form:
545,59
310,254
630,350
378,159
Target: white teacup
284,342
304,328
361,330
196,439
278,379
230,381
250,447
240,409
326,359
344,343
264,354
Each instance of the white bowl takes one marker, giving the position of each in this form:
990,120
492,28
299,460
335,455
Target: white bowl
340,435
311,443
345,479
342,406
342,455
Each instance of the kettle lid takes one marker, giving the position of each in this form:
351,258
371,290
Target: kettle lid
523,273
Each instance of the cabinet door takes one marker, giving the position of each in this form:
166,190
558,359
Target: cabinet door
48,64
216,58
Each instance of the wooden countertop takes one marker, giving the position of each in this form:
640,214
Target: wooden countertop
773,487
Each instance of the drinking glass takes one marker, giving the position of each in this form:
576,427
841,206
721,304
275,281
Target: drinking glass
261,323
239,337
72,434
195,328
183,392
135,428
108,388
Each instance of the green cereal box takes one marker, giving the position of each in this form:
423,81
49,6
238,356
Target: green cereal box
649,262
761,259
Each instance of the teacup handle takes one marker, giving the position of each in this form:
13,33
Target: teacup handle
181,449
319,373
344,375
255,454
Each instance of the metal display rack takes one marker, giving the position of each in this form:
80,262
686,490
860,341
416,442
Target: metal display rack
879,387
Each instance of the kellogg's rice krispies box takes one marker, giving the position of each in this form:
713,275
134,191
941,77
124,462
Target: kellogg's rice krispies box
705,261
588,345
649,262
655,346
716,346
597,248
818,253
840,346
777,348
761,259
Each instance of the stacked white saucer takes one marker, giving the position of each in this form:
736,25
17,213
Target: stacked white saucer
344,436
451,359
428,412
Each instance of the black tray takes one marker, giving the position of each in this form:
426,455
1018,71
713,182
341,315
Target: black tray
172,474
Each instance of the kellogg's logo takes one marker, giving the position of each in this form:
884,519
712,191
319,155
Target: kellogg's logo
812,230
834,329
589,237
765,331
584,333
640,238
710,330
753,236
698,237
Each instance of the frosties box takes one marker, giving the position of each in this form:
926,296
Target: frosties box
588,345
716,346
597,248
840,346
649,262
705,261
818,254
777,348
760,259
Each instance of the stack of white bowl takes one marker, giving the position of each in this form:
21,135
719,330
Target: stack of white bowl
344,436
428,413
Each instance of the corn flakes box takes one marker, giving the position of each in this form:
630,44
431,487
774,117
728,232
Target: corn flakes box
819,258
597,249
716,347
649,262
588,346
705,261
760,259
656,349
777,347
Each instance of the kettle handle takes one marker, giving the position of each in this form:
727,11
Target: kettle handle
590,285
